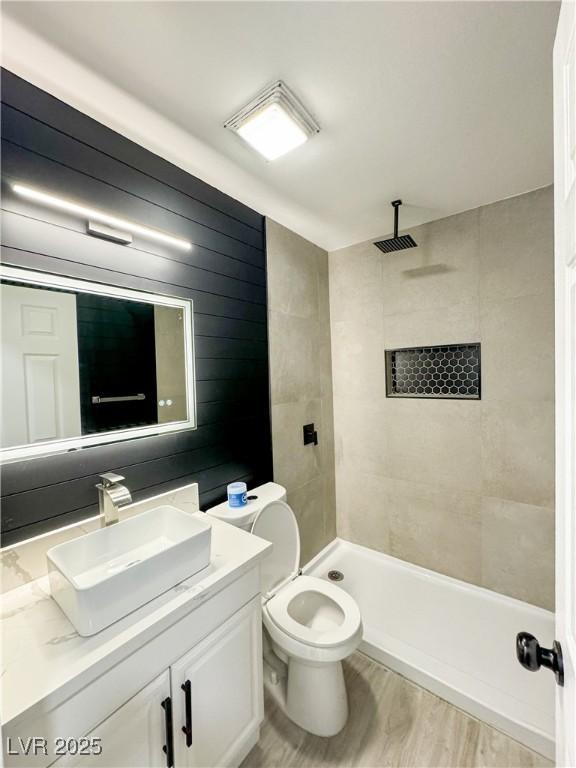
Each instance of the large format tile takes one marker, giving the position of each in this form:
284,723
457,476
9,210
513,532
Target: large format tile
324,369
518,551
393,723
294,354
518,349
323,277
517,246
441,271
324,362
364,507
360,433
355,281
326,440
308,504
435,528
423,524
295,464
456,324
330,529
434,441
292,272
301,379
358,355
518,452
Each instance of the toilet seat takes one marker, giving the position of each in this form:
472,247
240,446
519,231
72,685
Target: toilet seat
326,634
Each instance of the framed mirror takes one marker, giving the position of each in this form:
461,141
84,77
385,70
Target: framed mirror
85,364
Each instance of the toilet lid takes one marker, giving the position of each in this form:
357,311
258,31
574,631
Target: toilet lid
277,524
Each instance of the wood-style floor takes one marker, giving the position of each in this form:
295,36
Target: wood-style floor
392,723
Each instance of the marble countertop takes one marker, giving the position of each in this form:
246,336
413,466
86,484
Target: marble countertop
42,653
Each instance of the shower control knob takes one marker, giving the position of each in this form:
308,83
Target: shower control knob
532,656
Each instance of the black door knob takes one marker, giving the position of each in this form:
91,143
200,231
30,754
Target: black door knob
532,656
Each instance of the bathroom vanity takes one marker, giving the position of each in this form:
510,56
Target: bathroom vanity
178,682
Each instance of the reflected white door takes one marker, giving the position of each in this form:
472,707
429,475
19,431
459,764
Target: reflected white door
40,397
565,267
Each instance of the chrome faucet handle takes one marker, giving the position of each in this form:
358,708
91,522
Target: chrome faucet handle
110,478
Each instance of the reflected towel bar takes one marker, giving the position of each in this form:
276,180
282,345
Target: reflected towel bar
118,399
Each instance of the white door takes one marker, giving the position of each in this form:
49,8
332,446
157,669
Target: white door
217,692
40,395
565,256
134,736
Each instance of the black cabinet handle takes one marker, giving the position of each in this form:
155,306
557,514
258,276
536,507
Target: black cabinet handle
168,748
532,656
187,729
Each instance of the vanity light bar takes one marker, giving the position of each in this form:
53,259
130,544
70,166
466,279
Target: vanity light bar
93,214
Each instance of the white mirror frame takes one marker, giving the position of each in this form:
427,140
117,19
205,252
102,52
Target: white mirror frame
46,279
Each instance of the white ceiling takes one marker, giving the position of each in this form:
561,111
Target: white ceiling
447,105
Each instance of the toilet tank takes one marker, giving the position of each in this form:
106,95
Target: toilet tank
243,517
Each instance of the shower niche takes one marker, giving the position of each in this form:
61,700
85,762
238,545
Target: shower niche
449,371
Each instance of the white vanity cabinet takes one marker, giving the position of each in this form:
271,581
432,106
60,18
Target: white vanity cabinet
217,690
204,710
132,737
176,683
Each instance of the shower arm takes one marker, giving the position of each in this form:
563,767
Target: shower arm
396,205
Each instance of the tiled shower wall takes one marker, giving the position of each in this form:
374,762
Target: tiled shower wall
301,381
463,487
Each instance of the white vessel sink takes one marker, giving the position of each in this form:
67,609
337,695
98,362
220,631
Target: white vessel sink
102,576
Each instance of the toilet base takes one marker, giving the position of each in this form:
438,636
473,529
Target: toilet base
312,695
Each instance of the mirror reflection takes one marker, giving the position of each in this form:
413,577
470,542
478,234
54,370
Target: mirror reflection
80,363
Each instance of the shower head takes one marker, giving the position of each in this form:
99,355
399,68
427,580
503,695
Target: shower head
398,242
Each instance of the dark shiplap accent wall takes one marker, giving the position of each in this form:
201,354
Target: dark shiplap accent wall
116,356
48,144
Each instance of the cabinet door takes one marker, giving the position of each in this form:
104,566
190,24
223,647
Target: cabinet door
133,736
223,678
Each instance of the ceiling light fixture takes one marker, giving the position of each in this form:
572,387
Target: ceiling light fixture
93,214
274,122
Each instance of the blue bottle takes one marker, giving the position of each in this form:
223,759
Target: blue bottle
237,493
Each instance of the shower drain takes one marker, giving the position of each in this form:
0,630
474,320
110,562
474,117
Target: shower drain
335,575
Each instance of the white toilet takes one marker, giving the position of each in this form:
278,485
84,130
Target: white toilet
310,624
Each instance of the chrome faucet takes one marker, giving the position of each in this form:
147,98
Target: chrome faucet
111,496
